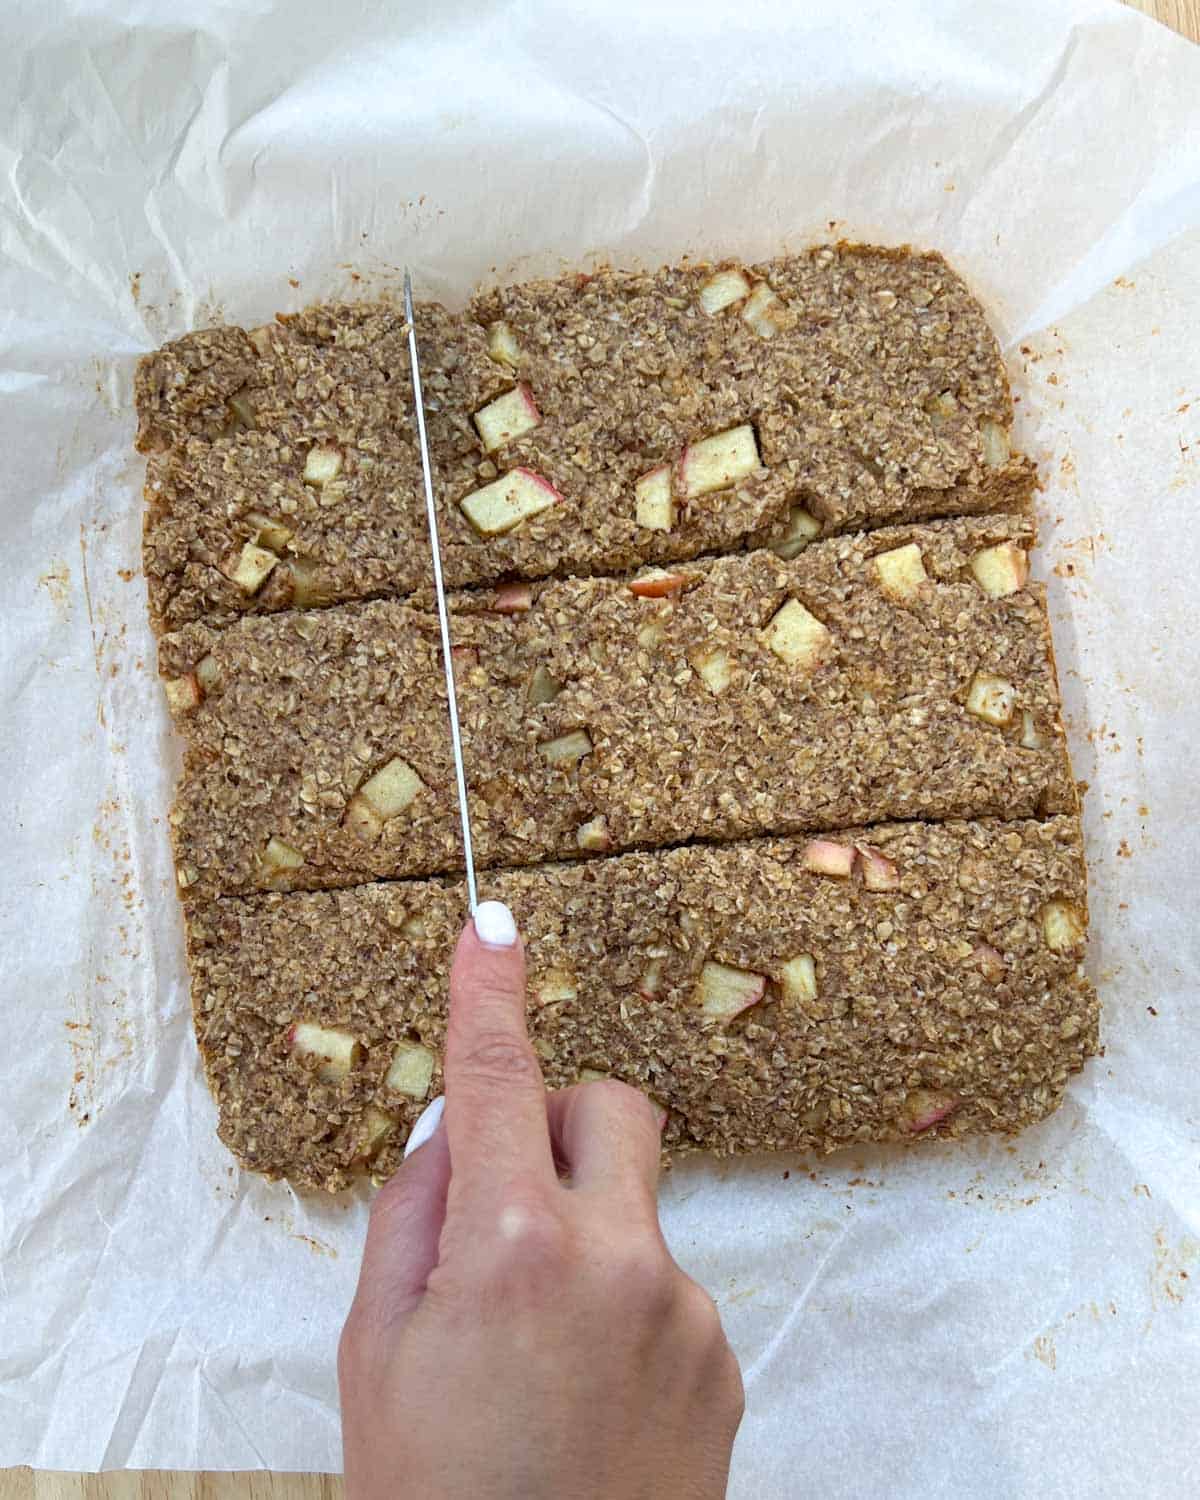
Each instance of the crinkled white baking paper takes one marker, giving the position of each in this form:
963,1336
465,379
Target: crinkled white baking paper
1005,1319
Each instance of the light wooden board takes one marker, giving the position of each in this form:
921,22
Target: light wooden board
28,1484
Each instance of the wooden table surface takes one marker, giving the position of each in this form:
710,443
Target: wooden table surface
29,1484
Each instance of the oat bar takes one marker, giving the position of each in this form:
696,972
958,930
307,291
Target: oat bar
930,986
585,425
903,673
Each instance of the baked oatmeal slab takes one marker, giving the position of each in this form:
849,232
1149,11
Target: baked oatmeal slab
904,673
889,983
585,425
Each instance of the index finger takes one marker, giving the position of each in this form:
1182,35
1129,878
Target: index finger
495,1098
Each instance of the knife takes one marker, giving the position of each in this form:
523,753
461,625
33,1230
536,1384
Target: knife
460,774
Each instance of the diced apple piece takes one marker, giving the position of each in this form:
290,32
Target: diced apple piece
993,441
797,637
901,572
765,312
650,635
249,568
942,407
715,670
658,584
392,788
925,1108
183,693
879,873
650,984
991,698
509,500
567,749
803,527
279,857
338,1051
208,674
502,345
593,836
507,418
543,686
655,502
260,337
242,409
799,979
322,464
724,992
554,987
723,289
375,1129
989,962
1031,738
273,535
823,857
1001,570
362,820
410,1071
512,599
717,462
1062,926
415,928
592,1075
310,586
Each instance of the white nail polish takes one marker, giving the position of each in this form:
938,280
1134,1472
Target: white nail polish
427,1122
494,924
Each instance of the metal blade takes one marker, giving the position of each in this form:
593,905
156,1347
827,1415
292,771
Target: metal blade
440,588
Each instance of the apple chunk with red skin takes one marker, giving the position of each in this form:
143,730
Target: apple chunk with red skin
337,1051
509,500
925,1108
512,599
507,418
824,857
658,584
724,992
718,462
878,872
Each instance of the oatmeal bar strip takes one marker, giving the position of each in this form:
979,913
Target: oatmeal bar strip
903,673
585,425
928,986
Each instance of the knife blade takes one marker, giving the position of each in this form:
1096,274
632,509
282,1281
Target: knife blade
460,774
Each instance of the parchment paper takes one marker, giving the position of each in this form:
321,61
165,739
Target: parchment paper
999,1320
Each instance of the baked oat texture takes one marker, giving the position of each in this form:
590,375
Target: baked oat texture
776,984
662,719
936,1006
872,384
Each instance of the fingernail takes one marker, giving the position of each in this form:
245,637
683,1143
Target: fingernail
427,1122
494,925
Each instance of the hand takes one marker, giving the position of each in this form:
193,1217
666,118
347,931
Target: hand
520,1330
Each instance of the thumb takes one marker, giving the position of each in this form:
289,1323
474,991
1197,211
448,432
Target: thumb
405,1227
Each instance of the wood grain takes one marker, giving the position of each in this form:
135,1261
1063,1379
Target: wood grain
161,1484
